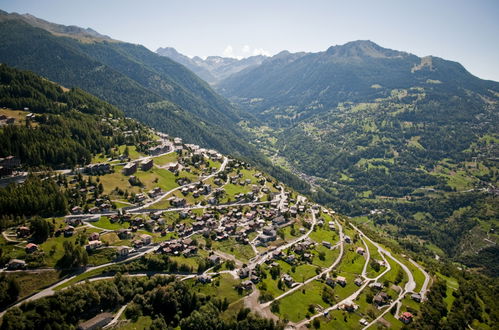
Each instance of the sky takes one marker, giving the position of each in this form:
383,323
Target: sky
459,30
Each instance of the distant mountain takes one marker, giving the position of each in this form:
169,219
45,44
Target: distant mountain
189,63
213,68
411,141
356,71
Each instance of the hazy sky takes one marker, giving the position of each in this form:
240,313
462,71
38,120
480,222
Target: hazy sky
459,30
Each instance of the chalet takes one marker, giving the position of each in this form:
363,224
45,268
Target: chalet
177,141
247,285
279,221
94,210
416,297
76,210
146,239
360,250
406,317
92,245
154,192
31,247
172,167
68,231
123,251
363,322
331,225
16,264
288,280
77,221
93,237
348,306
178,202
96,322
244,272
341,281
214,259
146,164
204,279
358,281
377,285
125,233
326,244
291,259
10,162
129,168
381,299
23,231
137,243
330,282
347,239
97,169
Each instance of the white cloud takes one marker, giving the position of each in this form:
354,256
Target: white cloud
228,51
260,51
244,51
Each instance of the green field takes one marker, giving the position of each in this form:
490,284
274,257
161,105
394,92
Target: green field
32,282
53,247
222,286
294,307
239,251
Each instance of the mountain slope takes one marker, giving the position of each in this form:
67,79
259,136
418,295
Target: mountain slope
353,72
151,88
146,86
414,139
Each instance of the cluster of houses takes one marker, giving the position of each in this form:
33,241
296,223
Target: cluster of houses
132,167
8,165
177,247
97,169
7,120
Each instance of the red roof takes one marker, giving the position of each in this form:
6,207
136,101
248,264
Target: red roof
407,315
31,245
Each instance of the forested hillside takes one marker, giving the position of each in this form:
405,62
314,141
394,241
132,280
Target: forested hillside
67,128
148,87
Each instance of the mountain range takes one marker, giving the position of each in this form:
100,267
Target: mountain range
214,68
375,128
370,128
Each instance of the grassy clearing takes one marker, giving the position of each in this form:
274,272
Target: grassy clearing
340,320
53,247
320,235
294,307
101,256
452,285
352,262
230,246
105,223
303,272
143,322
165,159
220,287
329,256
132,152
32,282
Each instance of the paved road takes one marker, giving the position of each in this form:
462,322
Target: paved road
146,205
424,288
326,271
259,259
